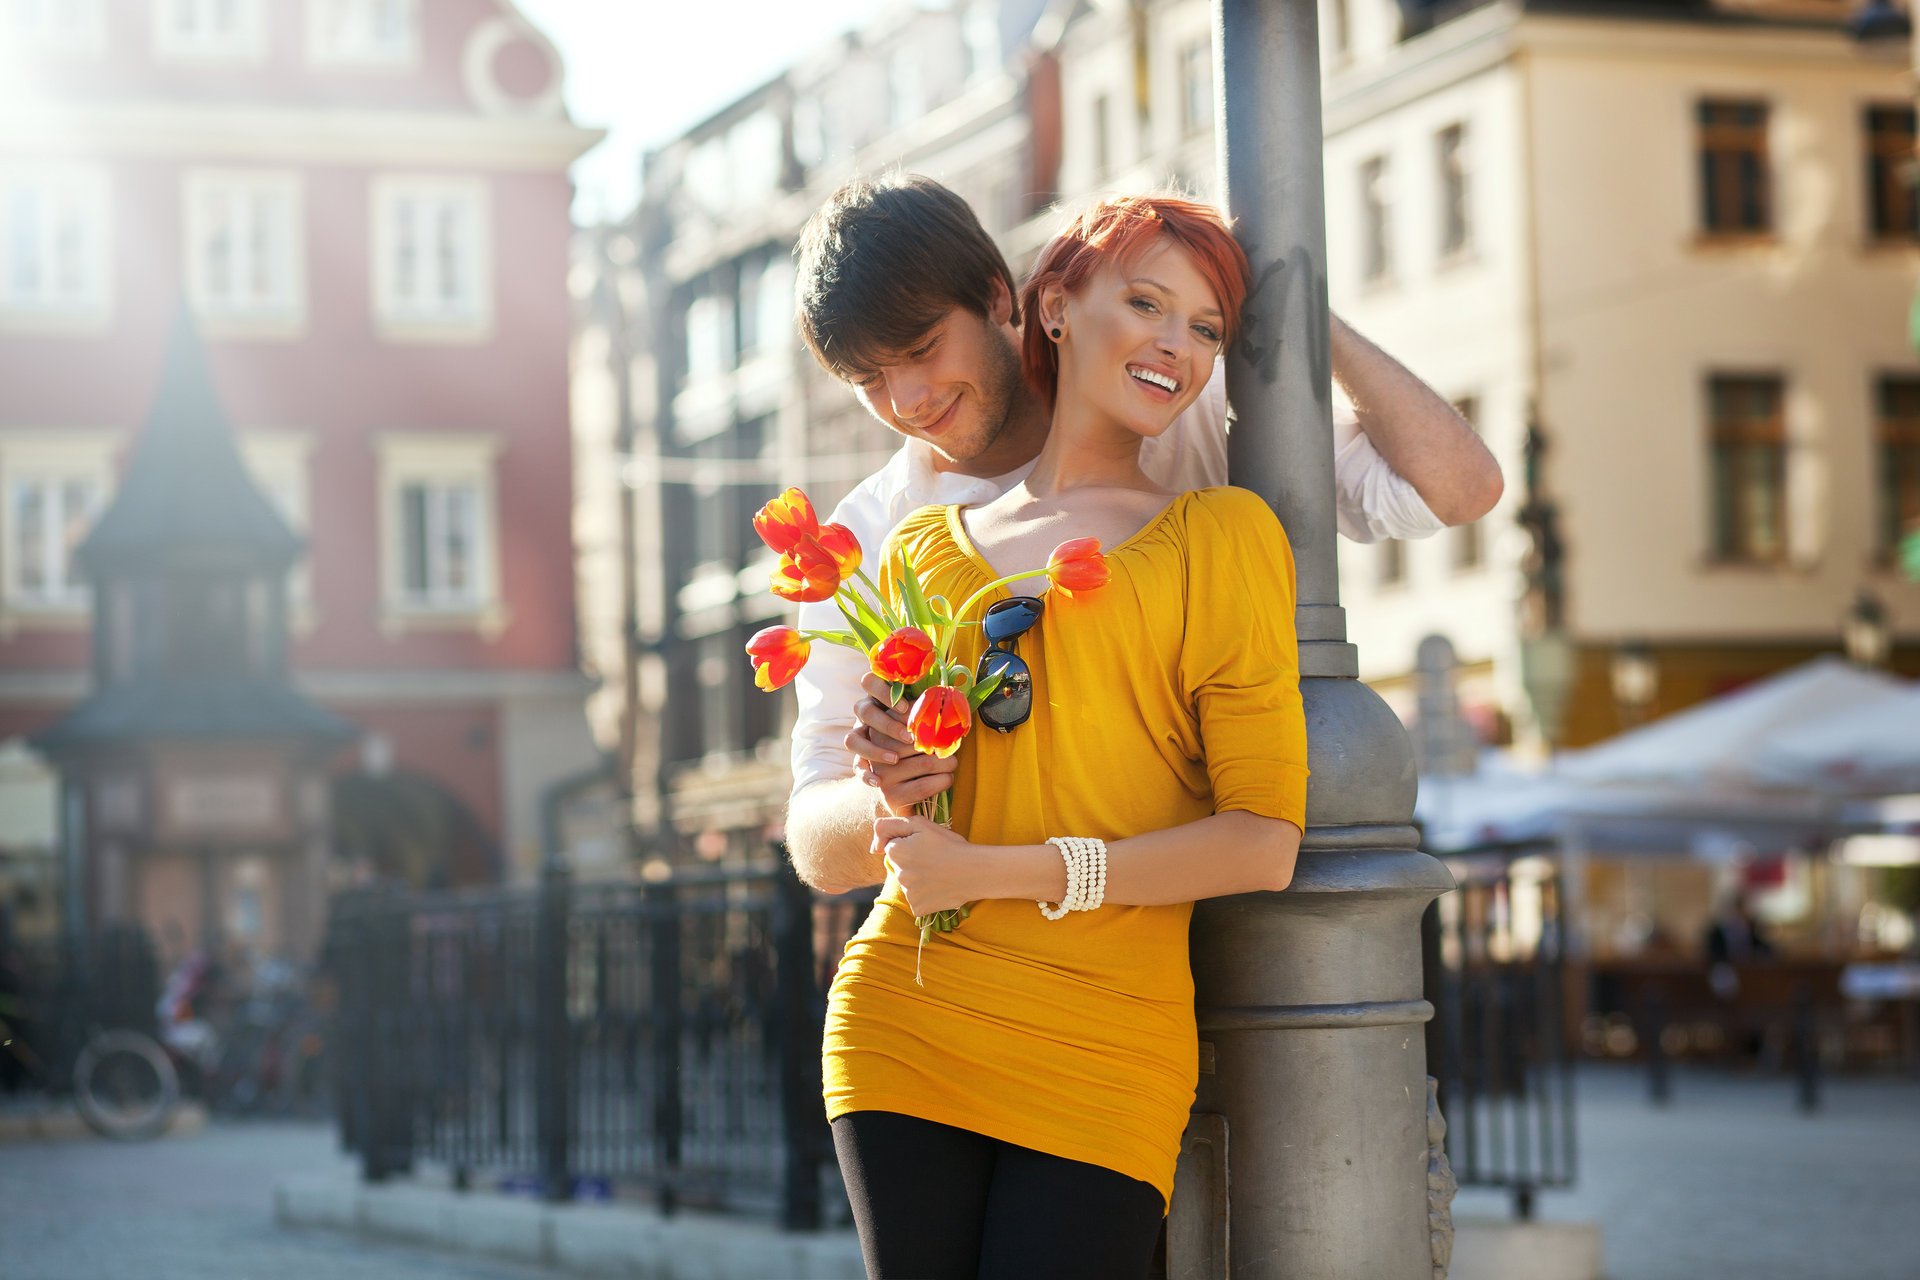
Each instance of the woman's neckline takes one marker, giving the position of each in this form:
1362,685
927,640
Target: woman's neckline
958,527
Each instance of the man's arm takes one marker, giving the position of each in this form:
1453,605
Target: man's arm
1419,434
830,835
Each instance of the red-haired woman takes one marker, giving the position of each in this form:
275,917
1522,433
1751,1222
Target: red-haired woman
1015,1108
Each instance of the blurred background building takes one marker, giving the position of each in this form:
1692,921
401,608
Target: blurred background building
360,207
1661,254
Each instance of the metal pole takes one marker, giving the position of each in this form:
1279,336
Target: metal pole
1309,1001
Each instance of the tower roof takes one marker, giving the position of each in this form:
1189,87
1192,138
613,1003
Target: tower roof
186,497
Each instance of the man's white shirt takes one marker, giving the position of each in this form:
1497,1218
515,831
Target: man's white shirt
1371,501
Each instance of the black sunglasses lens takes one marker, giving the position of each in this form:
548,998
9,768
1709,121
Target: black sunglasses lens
1011,701
1011,618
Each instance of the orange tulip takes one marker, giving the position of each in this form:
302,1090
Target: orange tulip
786,521
902,657
839,543
806,575
1077,565
938,721
778,653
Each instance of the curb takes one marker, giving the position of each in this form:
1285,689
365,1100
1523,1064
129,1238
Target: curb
63,1124
587,1240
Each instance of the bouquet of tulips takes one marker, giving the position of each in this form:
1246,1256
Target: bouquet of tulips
907,638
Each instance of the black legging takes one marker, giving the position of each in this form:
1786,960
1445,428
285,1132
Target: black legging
933,1202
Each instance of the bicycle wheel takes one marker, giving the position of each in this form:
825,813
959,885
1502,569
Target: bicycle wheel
125,1086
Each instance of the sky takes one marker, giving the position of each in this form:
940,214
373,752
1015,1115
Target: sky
645,70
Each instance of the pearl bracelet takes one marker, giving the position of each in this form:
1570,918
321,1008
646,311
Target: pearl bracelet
1086,863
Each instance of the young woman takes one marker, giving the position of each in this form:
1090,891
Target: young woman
1016,1110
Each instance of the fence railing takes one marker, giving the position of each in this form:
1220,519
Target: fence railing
1496,975
662,1034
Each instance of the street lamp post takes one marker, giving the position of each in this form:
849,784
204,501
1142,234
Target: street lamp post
1309,1001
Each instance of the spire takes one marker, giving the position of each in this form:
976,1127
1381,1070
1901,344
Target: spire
186,497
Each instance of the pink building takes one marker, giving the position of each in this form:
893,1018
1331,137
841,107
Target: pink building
364,206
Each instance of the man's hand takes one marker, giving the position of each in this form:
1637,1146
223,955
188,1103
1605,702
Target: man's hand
885,750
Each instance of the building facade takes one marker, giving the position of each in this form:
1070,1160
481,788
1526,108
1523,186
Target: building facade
689,371
1678,239
362,206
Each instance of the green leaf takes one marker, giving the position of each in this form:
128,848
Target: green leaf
913,598
982,691
857,618
895,692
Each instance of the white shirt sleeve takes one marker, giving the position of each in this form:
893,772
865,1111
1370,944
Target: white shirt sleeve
1371,500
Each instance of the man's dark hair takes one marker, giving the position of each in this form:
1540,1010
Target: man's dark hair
881,262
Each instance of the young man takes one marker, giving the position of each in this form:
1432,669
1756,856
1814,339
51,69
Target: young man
904,296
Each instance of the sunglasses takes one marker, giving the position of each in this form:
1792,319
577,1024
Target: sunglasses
1011,701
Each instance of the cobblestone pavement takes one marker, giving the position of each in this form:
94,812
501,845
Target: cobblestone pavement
1730,1181
198,1207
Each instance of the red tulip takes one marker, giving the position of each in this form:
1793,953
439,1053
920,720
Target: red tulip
902,657
806,575
786,521
1077,565
778,653
839,543
938,721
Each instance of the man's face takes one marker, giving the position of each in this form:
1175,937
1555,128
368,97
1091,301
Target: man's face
955,388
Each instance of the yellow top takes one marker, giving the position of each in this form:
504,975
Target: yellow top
1169,694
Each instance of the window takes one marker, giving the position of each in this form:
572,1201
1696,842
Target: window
1469,540
432,256
378,33
1899,461
54,245
720,691
1196,86
226,30
440,529
1340,25
1892,211
766,307
54,485
53,26
1456,215
1377,225
1102,139
1749,441
245,246
710,350
1391,567
1736,180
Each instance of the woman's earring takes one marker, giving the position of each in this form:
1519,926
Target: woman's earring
1056,335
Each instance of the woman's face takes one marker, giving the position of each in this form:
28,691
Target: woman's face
1140,338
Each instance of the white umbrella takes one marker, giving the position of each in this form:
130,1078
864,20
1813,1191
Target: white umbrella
1870,750
1716,743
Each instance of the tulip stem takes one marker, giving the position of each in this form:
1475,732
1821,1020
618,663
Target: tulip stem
879,596
840,638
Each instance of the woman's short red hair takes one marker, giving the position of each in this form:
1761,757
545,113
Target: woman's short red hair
1118,229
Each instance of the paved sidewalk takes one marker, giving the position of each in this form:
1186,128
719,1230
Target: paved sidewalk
1730,1182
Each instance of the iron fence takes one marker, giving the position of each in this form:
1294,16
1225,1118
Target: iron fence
663,1034
1498,1043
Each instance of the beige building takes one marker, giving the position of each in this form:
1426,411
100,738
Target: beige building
1684,245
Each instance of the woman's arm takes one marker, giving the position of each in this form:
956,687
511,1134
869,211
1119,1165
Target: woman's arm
1228,853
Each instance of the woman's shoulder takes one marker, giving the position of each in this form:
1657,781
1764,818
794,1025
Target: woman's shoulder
920,525
1230,511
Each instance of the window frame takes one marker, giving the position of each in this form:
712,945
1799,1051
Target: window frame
1730,542
247,44
1882,168
1897,445
1455,168
62,456
1376,220
397,319
445,461
282,316
323,54
1715,143
88,187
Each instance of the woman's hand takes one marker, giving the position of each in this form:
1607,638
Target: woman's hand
937,869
